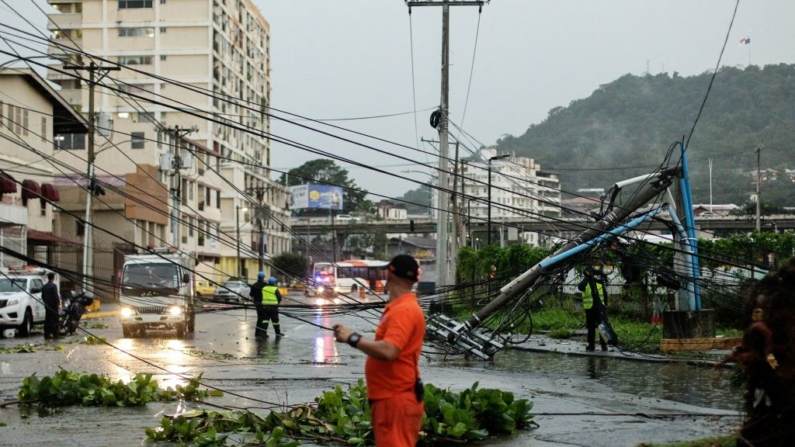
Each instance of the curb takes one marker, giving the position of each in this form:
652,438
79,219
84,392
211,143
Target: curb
92,315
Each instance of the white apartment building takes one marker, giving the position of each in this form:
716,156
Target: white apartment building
520,190
31,111
210,59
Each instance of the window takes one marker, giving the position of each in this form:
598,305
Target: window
80,228
218,199
207,196
162,28
190,190
138,140
43,128
163,59
25,123
1,114
135,60
70,141
190,226
137,32
134,4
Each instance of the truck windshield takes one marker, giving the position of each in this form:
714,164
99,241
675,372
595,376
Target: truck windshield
12,285
151,275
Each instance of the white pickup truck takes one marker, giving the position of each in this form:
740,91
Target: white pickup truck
20,299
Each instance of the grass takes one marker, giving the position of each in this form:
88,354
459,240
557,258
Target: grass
723,441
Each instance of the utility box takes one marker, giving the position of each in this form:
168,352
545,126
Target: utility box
689,324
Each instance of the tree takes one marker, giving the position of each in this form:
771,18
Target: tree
326,172
290,265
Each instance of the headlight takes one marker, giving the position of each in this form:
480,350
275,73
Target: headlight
126,312
320,289
12,302
320,302
174,310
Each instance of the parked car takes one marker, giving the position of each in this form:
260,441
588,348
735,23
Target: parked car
204,288
233,290
342,217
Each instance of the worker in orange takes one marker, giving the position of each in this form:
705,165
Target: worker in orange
391,370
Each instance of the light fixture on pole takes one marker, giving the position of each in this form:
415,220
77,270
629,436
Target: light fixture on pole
488,202
237,221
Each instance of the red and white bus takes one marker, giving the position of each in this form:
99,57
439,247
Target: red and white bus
333,278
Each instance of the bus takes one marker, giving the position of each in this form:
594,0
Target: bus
333,278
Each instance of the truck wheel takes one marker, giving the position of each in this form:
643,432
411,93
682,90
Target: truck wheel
180,331
139,332
126,331
27,324
192,321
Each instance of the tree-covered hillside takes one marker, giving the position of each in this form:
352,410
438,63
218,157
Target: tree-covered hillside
625,128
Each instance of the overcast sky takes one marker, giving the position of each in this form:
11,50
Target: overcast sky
352,58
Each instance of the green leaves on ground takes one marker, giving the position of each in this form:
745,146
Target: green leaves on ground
343,417
92,390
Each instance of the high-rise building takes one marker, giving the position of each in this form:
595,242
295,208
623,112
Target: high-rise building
520,191
195,65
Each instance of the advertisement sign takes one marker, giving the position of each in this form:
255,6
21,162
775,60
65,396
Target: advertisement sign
299,197
325,197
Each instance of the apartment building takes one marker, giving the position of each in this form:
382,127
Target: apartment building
520,190
31,112
200,66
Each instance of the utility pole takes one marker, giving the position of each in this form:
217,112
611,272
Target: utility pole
758,189
443,256
262,213
176,163
88,250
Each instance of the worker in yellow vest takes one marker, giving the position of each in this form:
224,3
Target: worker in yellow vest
593,293
271,298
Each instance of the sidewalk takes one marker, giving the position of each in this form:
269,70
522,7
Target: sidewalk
106,310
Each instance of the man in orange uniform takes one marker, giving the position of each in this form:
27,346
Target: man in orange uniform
394,387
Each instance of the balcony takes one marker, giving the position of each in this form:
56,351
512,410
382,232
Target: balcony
13,215
57,47
65,21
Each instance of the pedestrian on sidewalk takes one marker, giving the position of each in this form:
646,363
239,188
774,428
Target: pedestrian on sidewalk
593,293
391,370
52,306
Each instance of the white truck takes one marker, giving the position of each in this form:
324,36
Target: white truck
20,298
157,293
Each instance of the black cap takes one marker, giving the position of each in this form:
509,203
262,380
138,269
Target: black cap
405,266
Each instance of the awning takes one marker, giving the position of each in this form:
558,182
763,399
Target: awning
30,190
49,192
42,236
7,184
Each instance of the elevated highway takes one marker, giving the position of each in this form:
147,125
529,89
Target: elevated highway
549,226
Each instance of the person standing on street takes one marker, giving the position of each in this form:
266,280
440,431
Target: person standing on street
271,298
592,294
391,370
52,304
255,294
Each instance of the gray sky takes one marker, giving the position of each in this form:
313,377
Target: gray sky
352,58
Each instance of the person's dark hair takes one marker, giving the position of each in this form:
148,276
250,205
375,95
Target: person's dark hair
51,276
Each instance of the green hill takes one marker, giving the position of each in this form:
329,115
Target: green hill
625,128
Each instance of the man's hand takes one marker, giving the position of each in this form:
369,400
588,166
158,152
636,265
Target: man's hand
342,332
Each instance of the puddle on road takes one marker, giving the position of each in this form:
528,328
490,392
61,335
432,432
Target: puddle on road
676,381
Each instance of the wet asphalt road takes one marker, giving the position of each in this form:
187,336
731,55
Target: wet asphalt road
259,374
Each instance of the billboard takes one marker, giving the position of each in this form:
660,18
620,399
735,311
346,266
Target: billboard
325,197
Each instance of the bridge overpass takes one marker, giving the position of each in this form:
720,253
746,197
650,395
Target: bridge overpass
550,226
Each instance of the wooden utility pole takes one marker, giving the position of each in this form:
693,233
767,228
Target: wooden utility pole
88,250
443,244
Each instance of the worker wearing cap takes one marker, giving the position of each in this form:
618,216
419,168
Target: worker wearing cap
271,298
394,388
255,294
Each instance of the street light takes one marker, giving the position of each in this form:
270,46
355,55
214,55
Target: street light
237,219
488,219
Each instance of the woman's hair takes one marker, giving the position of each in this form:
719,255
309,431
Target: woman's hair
767,360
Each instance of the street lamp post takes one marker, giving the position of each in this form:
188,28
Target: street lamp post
488,219
237,224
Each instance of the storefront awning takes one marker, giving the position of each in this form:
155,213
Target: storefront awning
49,192
30,190
41,236
7,184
